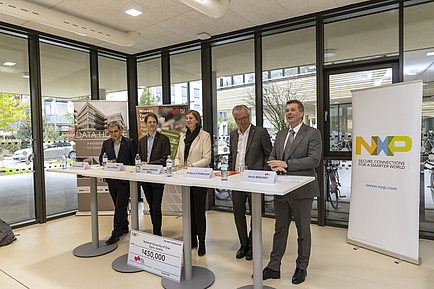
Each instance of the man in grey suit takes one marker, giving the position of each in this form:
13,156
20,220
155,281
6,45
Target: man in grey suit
250,147
297,151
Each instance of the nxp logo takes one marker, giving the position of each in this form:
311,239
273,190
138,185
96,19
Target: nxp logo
389,145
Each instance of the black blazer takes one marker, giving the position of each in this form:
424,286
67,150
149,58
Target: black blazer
159,152
127,151
258,149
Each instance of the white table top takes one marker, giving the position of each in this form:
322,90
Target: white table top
233,183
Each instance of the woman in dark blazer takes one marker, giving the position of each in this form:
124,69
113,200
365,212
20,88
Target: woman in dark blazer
194,150
153,149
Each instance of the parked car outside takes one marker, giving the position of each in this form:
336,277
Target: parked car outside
52,151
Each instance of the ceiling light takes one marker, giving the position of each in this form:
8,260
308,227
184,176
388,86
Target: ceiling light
133,8
8,63
26,75
203,36
329,52
431,53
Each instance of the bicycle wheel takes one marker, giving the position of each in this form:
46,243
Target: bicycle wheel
333,193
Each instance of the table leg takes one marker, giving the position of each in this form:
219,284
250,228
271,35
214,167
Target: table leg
96,247
194,277
256,243
120,263
186,232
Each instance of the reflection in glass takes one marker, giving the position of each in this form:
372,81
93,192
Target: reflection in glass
419,65
361,38
231,62
340,86
112,78
149,79
186,87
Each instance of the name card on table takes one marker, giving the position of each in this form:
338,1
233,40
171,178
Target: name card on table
80,166
114,167
158,255
151,169
200,173
259,176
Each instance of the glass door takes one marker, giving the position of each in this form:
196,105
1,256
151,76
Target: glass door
338,131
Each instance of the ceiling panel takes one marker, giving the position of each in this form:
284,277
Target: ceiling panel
182,21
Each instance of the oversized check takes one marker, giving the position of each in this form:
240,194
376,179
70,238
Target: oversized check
155,254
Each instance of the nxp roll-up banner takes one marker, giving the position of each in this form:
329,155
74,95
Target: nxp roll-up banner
384,206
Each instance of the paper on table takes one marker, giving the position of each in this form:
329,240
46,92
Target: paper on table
219,173
292,179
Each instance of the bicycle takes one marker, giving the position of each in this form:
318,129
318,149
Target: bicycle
333,184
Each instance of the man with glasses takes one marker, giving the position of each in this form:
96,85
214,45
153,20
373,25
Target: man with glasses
250,147
119,149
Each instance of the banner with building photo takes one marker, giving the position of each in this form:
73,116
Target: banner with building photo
91,120
171,122
384,207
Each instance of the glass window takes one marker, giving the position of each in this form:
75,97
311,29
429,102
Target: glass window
230,61
366,37
185,75
340,99
283,56
17,200
249,77
149,79
418,64
112,78
238,79
65,76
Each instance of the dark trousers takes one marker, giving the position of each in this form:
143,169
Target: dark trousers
284,208
198,220
120,193
239,208
154,197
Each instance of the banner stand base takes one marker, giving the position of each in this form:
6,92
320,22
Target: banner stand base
401,258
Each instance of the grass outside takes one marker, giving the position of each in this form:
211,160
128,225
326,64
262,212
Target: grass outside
9,171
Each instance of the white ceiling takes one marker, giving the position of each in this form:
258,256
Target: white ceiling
169,22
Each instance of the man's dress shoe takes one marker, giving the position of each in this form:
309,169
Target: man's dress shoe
299,276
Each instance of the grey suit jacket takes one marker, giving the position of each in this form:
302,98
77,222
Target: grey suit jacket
304,157
258,149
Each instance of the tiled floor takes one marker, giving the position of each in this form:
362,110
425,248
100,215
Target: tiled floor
42,258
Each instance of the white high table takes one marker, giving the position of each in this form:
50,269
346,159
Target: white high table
193,276
96,247
257,189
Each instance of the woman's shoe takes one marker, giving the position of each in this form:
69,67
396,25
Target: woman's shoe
201,251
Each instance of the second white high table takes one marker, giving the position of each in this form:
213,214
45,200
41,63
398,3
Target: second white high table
233,183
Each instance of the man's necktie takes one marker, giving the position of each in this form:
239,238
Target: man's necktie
288,144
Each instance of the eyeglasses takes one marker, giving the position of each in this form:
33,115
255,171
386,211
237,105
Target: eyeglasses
245,118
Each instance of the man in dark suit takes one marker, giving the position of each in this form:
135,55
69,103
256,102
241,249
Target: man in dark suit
153,149
297,151
119,149
250,147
